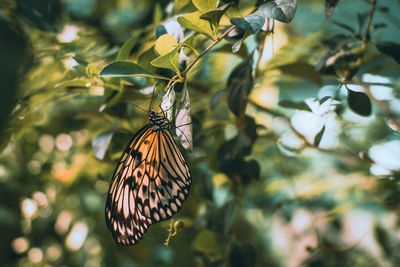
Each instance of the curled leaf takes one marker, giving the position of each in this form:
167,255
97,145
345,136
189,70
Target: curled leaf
183,122
101,143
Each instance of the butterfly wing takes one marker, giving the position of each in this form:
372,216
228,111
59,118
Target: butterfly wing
149,185
166,180
123,219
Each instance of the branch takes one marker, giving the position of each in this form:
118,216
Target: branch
371,14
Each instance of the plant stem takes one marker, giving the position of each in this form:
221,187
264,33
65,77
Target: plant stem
371,14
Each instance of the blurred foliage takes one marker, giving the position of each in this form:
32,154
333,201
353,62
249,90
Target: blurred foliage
295,116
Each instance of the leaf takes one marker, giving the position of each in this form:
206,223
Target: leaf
359,102
80,70
390,49
214,16
193,22
294,105
101,143
168,61
318,137
239,85
344,26
302,69
206,243
127,68
329,7
74,83
216,98
160,31
165,44
242,254
183,122
253,23
281,10
126,48
205,5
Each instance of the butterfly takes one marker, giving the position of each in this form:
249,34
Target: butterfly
150,183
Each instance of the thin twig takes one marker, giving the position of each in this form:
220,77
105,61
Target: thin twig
371,14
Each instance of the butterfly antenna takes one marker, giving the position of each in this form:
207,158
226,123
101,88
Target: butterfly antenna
152,96
137,106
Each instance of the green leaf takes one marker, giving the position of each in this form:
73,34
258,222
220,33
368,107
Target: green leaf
302,69
318,137
74,84
390,49
126,48
205,5
193,22
214,16
294,105
127,68
282,10
80,70
239,85
101,143
359,102
160,30
206,243
253,23
216,98
168,61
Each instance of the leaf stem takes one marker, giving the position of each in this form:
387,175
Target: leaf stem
371,14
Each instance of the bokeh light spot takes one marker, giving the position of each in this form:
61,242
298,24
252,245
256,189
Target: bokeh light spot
20,245
63,142
46,143
35,255
28,207
77,236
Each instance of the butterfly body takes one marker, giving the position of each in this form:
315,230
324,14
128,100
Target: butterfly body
149,184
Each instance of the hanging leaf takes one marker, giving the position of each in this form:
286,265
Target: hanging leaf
302,69
329,7
101,143
359,102
183,122
390,49
281,10
127,68
239,85
253,23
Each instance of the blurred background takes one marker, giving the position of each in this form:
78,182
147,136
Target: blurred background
308,177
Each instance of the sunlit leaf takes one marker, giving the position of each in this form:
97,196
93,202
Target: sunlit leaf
74,83
101,143
205,5
282,10
183,122
193,22
168,61
239,85
253,23
206,243
165,44
126,68
214,16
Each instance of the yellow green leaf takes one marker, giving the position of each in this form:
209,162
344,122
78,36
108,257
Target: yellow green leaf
165,44
193,22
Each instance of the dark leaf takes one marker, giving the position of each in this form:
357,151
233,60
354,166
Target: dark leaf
384,241
125,50
214,16
302,69
318,137
239,85
329,7
126,68
344,26
359,102
281,10
390,49
295,105
253,23
250,170
44,14
242,254
80,70
160,30
101,143
361,17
